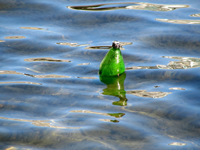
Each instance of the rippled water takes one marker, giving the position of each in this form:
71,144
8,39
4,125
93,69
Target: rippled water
53,98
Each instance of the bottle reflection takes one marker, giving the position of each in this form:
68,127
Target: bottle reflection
115,87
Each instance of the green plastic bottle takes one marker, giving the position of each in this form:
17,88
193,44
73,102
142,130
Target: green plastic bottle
113,63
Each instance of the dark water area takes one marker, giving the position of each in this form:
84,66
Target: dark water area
53,98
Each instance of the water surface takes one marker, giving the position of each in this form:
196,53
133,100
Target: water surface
53,98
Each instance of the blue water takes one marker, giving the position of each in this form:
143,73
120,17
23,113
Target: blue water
51,93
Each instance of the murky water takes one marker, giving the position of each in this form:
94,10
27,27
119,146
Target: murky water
53,98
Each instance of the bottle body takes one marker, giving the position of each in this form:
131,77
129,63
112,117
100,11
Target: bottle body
113,63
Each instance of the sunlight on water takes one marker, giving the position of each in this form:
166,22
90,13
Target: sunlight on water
41,123
180,21
52,96
195,15
126,5
45,59
32,28
20,82
183,63
72,44
14,37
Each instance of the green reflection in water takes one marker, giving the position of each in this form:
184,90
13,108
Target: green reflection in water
117,115
115,87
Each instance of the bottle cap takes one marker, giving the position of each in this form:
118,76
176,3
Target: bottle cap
116,45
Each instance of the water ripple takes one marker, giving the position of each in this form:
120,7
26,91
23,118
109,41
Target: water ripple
14,37
20,82
176,88
87,77
128,5
72,44
195,15
48,76
183,63
177,144
31,28
143,93
31,75
10,72
116,115
46,59
108,47
179,21
156,7
83,64
41,123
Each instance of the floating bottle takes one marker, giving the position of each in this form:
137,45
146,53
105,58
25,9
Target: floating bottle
113,63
